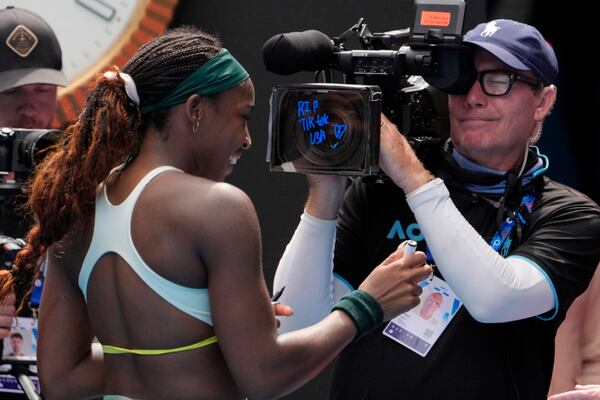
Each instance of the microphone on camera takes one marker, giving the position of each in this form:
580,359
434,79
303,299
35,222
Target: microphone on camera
288,53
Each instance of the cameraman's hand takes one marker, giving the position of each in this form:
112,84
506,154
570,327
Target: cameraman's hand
394,283
7,314
398,160
326,193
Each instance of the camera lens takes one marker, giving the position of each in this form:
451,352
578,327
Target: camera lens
325,127
335,140
35,144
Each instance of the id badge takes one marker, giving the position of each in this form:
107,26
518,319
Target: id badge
419,328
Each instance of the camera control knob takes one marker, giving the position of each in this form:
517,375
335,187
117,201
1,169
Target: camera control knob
7,133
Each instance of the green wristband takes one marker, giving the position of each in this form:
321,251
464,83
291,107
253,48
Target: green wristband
363,310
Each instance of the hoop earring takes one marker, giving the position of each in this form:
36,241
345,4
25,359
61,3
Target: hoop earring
196,126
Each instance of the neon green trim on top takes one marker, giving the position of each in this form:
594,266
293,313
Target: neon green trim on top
108,349
220,73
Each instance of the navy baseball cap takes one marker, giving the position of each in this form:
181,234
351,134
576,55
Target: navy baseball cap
29,50
518,45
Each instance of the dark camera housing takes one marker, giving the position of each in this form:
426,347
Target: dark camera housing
21,150
324,128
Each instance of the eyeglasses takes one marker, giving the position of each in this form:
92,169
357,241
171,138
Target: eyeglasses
499,82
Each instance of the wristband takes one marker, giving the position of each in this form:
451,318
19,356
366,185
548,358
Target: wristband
363,310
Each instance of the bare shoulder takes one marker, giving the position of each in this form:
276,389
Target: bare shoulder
213,216
225,192
200,206
210,198
228,207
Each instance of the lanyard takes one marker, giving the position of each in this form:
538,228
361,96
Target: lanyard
501,241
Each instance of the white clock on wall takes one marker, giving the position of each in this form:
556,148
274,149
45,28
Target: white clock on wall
94,34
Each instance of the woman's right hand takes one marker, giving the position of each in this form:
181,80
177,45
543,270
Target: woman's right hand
394,282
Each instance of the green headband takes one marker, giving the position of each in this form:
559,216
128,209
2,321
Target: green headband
220,73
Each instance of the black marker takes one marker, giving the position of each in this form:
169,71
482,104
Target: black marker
277,295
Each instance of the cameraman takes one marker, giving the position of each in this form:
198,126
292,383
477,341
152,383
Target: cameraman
514,246
30,71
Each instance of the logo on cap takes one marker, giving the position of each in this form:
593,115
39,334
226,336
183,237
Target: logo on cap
490,29
22,41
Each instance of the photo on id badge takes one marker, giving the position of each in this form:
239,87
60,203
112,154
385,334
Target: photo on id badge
21,343
419,328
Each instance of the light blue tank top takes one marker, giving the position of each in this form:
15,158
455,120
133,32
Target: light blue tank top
112,234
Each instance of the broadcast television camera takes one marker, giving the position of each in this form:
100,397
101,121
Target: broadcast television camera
333,128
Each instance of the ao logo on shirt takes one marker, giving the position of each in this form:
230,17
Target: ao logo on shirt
412,231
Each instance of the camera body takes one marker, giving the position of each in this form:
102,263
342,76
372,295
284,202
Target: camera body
9,247
20,151
407,75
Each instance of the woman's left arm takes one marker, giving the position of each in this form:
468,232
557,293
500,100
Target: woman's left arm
66,358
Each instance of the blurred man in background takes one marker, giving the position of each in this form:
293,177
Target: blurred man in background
30,72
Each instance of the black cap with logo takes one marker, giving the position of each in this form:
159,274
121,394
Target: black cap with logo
29,50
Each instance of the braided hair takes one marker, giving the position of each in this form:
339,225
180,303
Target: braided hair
108,131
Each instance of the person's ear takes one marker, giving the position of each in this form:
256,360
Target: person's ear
195,108
546,102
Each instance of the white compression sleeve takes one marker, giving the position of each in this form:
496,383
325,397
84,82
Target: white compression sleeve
492,288
306,271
